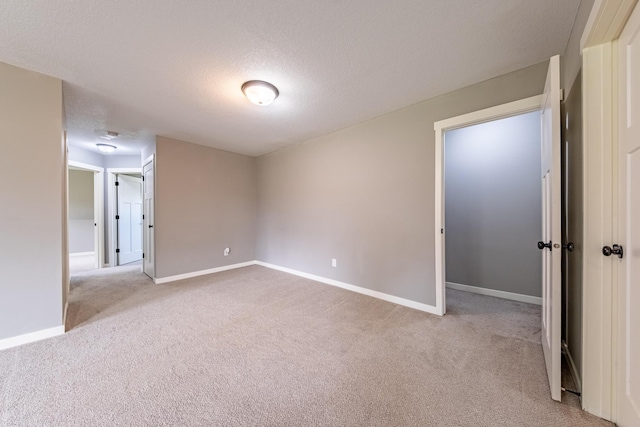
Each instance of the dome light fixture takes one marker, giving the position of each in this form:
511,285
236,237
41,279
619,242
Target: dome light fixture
260,92
106,148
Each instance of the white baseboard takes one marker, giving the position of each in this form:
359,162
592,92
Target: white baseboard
201,272
493,293
31,337
64,315
79,254
380,295
572,367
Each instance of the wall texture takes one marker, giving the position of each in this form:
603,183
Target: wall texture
81,228
572,59
493,209
31,254
365,195
205,201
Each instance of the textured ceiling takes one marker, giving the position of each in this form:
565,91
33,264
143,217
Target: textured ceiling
174,68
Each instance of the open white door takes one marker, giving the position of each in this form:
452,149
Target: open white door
129,219
626,257
551,244
98,197
148,219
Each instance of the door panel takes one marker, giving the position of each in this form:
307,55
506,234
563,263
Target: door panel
551,227
129,196
148,222
628,322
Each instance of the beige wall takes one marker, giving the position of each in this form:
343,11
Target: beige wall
205,201
31,184
365,195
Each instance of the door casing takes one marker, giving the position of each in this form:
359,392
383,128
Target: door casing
600,121
489,114
98,207
111,200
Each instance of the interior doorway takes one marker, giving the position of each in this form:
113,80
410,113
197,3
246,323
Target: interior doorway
493,208
125,215
85,217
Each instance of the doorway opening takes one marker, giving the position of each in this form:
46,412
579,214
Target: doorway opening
85,217
464,125
125,216
493,208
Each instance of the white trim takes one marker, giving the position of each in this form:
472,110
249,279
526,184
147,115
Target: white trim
168,279
98,206
31,337
111,196
386,297
606,21
599,127
572,367
488,114
64,316
495,293
85,166
79,254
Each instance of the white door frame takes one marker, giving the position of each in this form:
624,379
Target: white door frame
600,121
98,207
510,109
111,203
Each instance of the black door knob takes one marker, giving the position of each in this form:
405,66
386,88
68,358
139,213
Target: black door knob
615,250
542,245
151,226
569,246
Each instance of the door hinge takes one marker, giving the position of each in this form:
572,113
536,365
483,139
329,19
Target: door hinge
117,251
143,255
143,178
117,183
117,216
142,216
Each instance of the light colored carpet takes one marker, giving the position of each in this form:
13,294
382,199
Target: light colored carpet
258,347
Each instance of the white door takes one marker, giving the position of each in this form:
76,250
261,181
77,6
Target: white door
148,221
129,219
551,245
98,197
628,262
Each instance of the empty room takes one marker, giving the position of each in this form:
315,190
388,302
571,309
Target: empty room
244,213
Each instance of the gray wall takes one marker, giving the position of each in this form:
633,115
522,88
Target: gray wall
493,209
81,221
572,229
572,59
31,254
365,195
205,200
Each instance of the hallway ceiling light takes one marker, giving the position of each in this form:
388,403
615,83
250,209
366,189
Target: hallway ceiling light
260,92
106,148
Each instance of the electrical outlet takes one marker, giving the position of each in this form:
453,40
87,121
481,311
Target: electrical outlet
334,262
226,251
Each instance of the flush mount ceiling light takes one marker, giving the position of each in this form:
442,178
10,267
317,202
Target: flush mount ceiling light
106,148
259,92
